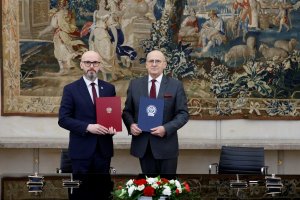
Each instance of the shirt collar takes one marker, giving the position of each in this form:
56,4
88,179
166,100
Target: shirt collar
88,82
158,79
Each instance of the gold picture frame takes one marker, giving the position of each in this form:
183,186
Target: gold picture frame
241,88
12,102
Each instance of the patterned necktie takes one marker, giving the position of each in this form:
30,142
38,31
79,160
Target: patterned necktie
153,89
94,92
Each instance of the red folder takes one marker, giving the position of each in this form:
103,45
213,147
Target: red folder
109,112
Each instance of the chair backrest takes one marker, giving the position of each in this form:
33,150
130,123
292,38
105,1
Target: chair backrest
65,162
241,160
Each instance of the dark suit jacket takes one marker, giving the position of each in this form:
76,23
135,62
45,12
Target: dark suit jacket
76,112
175,116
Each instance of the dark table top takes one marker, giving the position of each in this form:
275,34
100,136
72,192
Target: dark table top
203,186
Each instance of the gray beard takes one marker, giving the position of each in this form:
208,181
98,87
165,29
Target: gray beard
91,76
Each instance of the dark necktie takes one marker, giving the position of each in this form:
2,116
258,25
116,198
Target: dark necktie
153,89
94,92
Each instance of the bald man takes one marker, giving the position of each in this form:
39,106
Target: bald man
90,144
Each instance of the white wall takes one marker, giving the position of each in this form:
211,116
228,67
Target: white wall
191,160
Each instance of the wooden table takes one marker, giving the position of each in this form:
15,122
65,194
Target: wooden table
203,186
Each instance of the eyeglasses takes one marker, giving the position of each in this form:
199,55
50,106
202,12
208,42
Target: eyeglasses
89,63
155,61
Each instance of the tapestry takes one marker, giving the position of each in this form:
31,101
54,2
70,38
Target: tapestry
236,58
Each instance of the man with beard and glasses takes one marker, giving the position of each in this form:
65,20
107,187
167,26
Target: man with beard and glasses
90,144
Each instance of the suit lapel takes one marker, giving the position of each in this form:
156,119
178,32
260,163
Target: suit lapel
163,87
100,88
144,85
85,92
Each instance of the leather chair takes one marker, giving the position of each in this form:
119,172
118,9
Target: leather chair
66,164
241,160
87,190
